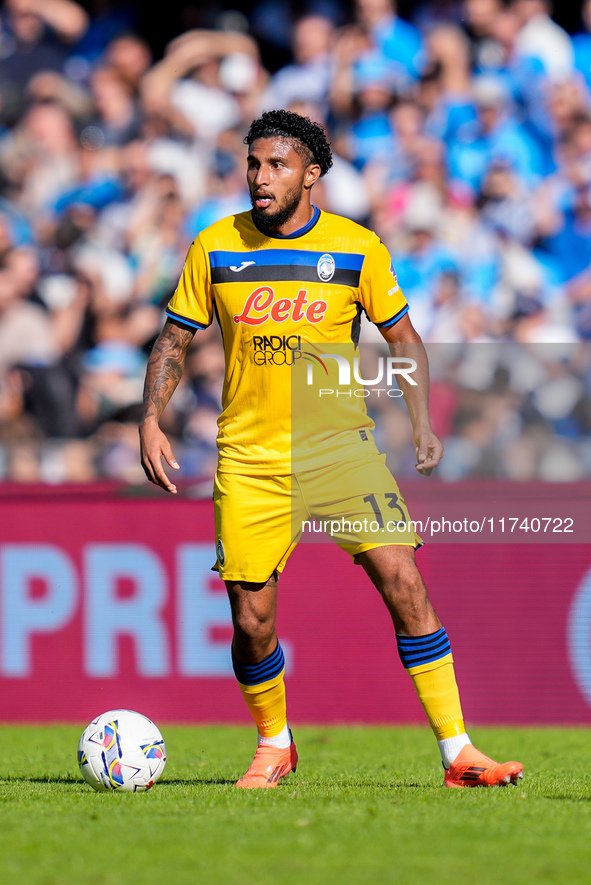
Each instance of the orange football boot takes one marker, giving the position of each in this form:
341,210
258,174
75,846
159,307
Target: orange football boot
268,766
471,768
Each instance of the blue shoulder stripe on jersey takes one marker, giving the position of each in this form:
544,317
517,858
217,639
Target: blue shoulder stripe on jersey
181,319
238,261
391,322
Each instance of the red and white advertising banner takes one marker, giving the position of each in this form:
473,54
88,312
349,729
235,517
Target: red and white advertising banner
109,603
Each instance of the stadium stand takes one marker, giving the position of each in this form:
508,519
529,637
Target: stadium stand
462,135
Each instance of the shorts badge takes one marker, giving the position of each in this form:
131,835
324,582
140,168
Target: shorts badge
221,553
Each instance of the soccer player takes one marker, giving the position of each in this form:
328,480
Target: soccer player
281,279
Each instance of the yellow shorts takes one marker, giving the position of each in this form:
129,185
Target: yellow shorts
260,519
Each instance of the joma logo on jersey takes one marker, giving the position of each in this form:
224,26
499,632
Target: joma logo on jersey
261,305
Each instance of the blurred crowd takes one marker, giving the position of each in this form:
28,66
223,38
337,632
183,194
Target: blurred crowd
461,134
504,409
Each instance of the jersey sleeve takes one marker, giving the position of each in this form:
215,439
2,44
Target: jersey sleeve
380,295
192,302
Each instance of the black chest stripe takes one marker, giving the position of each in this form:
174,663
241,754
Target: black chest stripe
288,273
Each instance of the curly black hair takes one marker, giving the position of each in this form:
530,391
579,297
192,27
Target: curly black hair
301,130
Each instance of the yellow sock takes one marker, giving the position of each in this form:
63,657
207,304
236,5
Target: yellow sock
263,689
429,663
437,689
266,703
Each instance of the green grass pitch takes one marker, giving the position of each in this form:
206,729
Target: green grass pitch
366,805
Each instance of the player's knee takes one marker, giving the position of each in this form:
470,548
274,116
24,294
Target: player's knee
402,586
258,627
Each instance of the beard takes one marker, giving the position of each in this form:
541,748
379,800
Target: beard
273,221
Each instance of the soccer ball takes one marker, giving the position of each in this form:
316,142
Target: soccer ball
121,750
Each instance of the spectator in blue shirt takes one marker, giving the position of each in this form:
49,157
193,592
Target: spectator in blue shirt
494,136
371,136
582,44
228,195
395,39
570,244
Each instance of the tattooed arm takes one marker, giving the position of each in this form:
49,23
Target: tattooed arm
165,370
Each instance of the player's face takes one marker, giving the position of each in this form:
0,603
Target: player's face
279,180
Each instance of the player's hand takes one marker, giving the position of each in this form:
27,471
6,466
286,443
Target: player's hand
154,446
429,450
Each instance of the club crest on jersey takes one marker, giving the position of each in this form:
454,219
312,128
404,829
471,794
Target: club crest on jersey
221,552
326,267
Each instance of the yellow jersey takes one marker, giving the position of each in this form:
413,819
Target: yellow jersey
280,302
